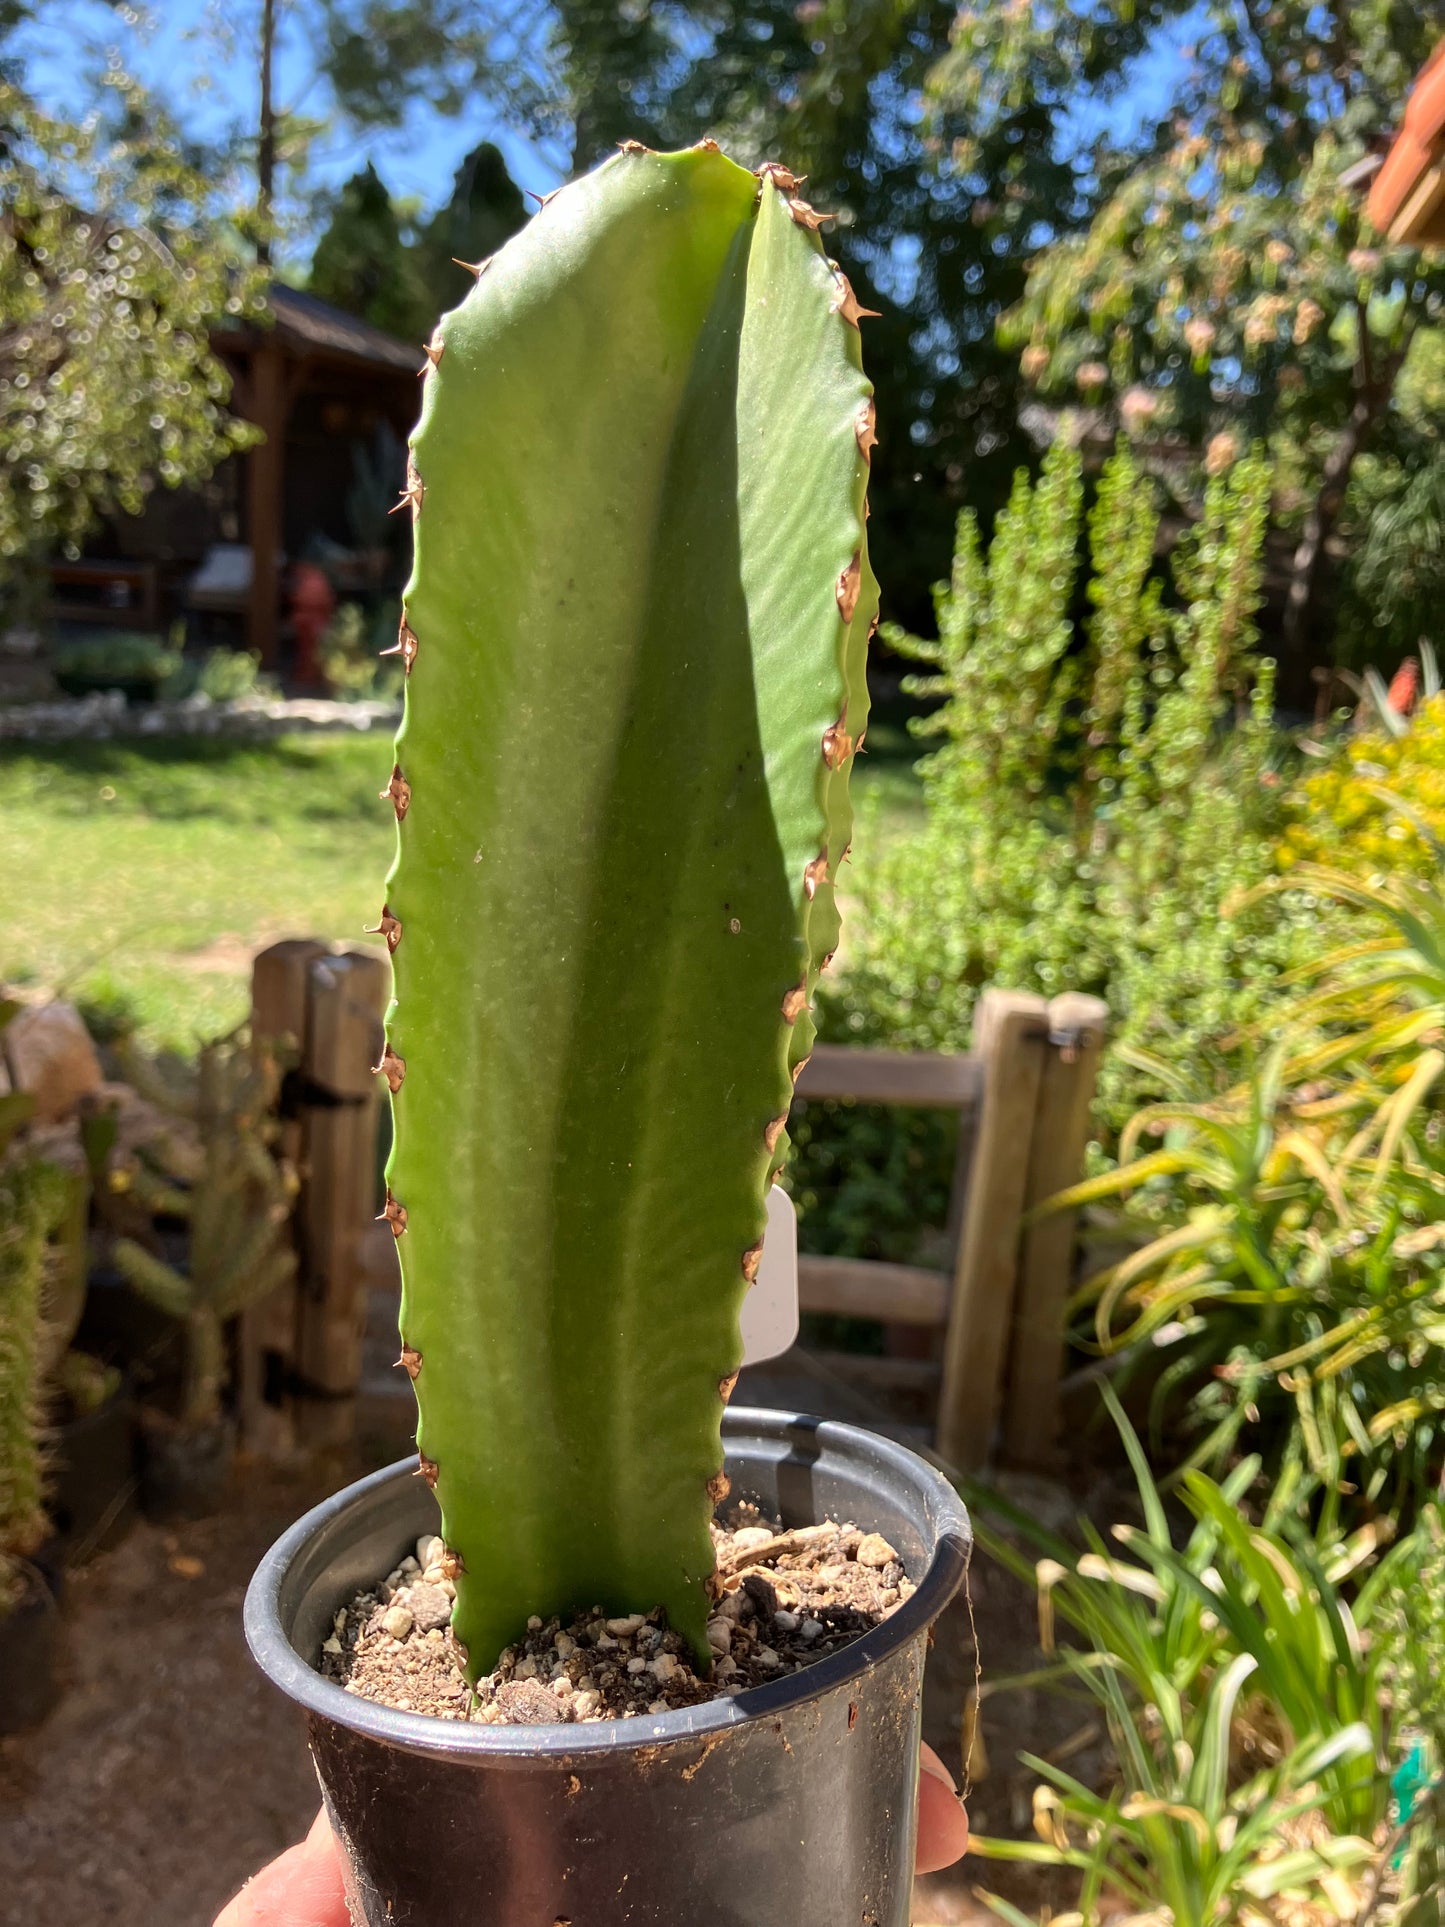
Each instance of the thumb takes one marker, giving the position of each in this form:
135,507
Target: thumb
942,1822
303,1888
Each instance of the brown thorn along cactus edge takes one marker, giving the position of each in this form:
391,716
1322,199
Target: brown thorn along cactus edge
639,616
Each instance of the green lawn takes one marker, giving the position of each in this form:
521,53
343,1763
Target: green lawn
143,876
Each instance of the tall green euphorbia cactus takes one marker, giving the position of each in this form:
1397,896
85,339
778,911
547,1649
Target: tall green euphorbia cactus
635,638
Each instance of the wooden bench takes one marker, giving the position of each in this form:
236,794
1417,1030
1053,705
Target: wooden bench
124,593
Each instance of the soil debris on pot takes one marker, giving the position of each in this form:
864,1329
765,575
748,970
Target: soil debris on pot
784,1598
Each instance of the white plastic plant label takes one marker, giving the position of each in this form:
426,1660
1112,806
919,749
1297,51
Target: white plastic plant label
770,1309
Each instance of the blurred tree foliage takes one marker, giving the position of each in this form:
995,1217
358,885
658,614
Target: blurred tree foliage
116,257
1201,277
1228,284
934,232
1392,526
485,209
363,262
380,56
399,275
319,69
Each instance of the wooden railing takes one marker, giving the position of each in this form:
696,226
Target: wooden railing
1022,1096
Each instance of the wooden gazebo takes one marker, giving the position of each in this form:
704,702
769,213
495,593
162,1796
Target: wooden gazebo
313,381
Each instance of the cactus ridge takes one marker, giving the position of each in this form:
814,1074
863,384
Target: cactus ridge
637,621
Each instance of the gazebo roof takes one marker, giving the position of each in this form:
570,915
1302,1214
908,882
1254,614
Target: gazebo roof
1407,201
308,326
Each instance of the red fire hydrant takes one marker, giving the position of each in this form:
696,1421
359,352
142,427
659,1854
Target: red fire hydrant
313,603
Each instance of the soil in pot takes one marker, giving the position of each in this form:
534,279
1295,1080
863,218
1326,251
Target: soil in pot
785,1599
29,1653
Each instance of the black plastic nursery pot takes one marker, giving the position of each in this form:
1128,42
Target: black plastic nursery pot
29,1653
94,1497
183,1474
121,1328
790,1805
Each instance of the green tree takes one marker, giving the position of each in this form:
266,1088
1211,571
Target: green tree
116,261
935,226
486,208
1228,284
369,63
380,56
364,264
1392,526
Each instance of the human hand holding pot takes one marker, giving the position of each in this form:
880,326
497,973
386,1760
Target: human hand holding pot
942,1821
303,1887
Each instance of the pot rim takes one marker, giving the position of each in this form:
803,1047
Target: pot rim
39,1598
520,1745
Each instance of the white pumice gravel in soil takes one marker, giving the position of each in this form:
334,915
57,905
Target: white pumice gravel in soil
784,1598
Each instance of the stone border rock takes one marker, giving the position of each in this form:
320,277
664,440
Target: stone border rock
106,715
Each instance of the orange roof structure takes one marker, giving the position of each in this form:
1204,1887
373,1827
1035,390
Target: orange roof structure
1407,200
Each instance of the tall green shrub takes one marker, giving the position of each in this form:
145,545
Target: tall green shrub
1103,783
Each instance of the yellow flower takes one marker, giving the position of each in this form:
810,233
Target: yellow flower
1340,818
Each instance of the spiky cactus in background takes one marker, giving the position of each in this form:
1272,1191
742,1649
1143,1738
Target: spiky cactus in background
236,1200
35,1200
42,1287
635,636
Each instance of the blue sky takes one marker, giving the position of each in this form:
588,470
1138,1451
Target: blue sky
201,56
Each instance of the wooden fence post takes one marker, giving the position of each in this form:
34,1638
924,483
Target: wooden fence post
1010,1036
278,992
1077,1027
317,1013
266,1335
346,999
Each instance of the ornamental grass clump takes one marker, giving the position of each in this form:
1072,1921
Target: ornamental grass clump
634,644
1287,1281
1271,1752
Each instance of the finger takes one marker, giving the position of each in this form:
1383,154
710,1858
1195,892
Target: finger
303,1888
942,1822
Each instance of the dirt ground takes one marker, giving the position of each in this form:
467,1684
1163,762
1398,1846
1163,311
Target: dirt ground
171,1771
1001,1798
